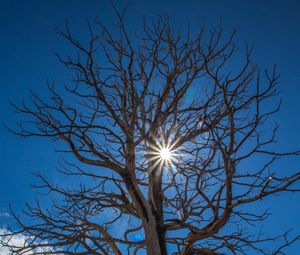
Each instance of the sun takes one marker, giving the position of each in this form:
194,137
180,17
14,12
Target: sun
165,154
162,155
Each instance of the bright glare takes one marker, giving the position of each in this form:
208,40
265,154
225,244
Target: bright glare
165,154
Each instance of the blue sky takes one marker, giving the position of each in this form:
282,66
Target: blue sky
27,38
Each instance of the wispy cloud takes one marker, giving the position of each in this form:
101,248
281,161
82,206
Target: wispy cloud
4,214
17,240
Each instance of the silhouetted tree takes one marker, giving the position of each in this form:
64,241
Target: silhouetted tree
169,135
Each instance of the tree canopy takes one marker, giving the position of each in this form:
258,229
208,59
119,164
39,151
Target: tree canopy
167,131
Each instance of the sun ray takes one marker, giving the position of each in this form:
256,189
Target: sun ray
162,154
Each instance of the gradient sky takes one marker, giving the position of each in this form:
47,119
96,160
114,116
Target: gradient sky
27,38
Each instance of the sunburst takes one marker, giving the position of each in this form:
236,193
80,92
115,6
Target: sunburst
165,154
162,154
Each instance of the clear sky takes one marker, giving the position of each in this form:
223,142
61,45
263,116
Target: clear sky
27,38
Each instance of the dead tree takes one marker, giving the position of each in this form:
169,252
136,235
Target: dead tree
182,171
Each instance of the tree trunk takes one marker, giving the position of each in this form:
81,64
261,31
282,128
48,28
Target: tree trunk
155,238
155,233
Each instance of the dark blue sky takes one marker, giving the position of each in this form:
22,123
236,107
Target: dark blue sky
27,37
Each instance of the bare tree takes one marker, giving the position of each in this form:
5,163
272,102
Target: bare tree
176,168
